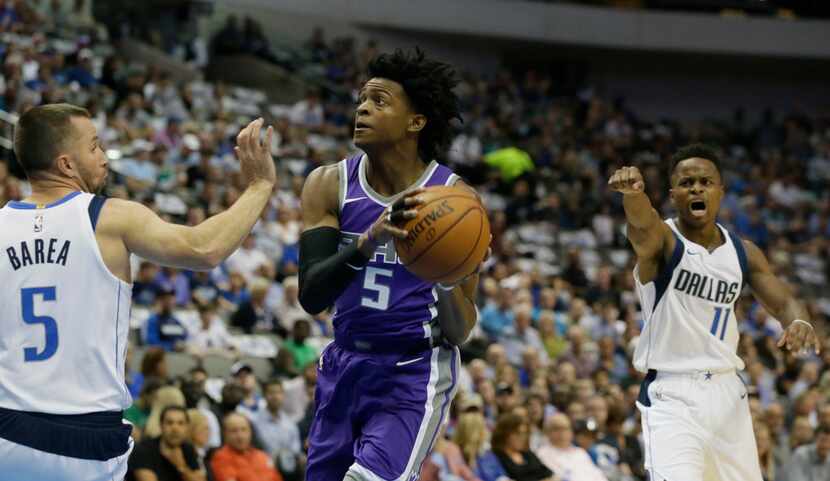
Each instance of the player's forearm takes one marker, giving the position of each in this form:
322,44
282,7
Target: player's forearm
325,272
219,236
457,314
791,310
639,213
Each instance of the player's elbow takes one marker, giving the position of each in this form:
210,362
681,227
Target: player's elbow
313,303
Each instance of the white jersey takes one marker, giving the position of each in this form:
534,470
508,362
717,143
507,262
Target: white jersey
64,317
689,309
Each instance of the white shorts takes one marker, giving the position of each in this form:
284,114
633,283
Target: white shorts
21,463
697,427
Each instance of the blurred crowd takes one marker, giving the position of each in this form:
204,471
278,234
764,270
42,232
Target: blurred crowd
547,390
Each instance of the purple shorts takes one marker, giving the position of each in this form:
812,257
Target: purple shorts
378,414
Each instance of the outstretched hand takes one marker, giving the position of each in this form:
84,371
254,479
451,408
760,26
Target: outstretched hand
799,335
254,155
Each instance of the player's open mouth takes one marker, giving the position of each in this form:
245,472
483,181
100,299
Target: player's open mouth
698,208
361,126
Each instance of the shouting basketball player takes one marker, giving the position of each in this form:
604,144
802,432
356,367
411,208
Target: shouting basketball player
689,274
65,300
385,384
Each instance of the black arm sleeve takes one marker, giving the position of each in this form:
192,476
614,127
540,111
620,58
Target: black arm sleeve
324,271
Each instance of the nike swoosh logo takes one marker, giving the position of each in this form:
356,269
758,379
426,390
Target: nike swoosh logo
348,201
404,363
691,253
743,395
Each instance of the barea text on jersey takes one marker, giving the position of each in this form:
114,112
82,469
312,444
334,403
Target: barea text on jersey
38,251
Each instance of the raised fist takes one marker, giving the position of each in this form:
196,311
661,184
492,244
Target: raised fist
627,180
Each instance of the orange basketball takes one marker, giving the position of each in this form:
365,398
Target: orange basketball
449,238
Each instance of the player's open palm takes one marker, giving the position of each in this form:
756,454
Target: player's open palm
390,222
255,155
800,335
627,180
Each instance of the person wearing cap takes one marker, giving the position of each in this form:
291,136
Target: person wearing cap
243,375
163,328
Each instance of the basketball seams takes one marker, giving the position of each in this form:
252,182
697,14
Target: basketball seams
443,234
472,251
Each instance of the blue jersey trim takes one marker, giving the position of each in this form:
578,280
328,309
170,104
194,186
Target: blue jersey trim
643,398
14,204
665,274
94,209
741,251
95,436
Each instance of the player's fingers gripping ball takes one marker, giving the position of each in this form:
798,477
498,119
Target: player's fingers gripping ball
448,238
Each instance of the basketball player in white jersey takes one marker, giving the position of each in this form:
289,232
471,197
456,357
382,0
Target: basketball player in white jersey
689,274
66,289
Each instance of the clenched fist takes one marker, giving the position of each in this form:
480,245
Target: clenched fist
627,180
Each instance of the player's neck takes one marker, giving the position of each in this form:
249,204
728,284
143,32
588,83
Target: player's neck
49,188
393,170
707,236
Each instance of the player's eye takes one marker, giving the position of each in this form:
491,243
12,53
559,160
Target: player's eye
380,101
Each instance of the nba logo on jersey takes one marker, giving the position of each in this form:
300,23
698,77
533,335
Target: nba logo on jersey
38,223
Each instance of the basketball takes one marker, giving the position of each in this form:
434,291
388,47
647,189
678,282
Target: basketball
448,239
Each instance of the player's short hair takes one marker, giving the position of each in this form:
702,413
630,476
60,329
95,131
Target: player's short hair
41,134
703,151
429,85
274,381
169,409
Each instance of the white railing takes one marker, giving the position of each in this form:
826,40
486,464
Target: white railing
7,122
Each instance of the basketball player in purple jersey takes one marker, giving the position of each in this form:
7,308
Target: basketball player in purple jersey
385,384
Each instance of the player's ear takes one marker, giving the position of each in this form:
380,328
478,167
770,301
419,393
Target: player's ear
417,122
65,166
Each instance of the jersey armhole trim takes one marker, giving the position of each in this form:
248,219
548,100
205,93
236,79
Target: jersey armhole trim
342,190
94,209
742,261
665,274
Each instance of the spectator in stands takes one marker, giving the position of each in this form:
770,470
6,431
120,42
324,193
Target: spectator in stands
766,458
303,353
199,434
289,309
446,462
242,375
145,288
247,259
163,328
299,392
497,316
237,460
254,313
228,40
520,335
153,365
165,397
169,457
193,388
801,433
279,434
810,462
510,446
308,112
139,411
627,445
210,336
562,457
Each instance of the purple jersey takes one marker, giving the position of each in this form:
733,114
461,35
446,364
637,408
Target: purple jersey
384,302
